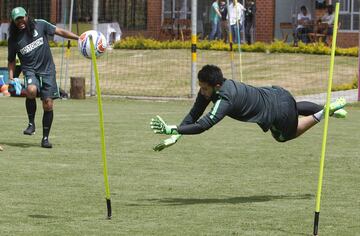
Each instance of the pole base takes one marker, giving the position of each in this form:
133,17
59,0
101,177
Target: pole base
108,205
316,223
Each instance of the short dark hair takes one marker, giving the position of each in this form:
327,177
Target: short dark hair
211,75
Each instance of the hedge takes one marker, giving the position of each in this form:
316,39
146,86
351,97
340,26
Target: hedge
275,47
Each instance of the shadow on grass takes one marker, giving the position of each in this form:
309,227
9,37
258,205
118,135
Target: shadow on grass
232,200
42,216
21,145
292,233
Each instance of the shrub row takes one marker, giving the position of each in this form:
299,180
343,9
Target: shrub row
73,43
275,47
346,86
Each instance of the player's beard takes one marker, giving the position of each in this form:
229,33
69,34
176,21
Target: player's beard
29,28
22,25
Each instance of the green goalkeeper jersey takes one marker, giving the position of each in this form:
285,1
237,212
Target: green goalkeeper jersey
240,101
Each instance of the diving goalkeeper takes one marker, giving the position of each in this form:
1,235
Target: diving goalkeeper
272,108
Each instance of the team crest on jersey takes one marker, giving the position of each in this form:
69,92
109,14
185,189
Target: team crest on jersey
35,33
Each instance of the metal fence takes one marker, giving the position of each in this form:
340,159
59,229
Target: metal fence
167,73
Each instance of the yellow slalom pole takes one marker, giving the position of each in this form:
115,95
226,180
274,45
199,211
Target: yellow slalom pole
193,62
239,39
231,43
101,116
323,147
193,48
67,56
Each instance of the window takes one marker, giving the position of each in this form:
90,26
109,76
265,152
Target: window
130,14
35,8
176,9
349,15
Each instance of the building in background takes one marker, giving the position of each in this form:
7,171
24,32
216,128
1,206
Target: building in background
145,17
286,10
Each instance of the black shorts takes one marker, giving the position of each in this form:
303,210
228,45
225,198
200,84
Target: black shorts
285,125
46,85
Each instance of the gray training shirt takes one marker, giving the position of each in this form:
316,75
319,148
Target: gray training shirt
34,51
237,100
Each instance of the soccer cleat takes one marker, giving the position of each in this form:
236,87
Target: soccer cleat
30,130
341,113
337,105
45,143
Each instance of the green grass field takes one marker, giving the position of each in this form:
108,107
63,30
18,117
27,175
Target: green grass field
231,180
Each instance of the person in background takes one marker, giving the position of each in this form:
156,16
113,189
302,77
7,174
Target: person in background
249,19
224,22
236,11
28,39
326,23
303,27
215,19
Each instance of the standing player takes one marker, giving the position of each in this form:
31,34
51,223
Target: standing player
272,108
28,39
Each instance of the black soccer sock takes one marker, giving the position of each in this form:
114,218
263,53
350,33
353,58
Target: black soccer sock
47,121
308,108
30,105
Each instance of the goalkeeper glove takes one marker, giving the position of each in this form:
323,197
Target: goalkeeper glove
160,127
17,85
167,143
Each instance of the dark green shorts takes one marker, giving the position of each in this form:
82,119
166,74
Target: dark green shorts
285,125
46,85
